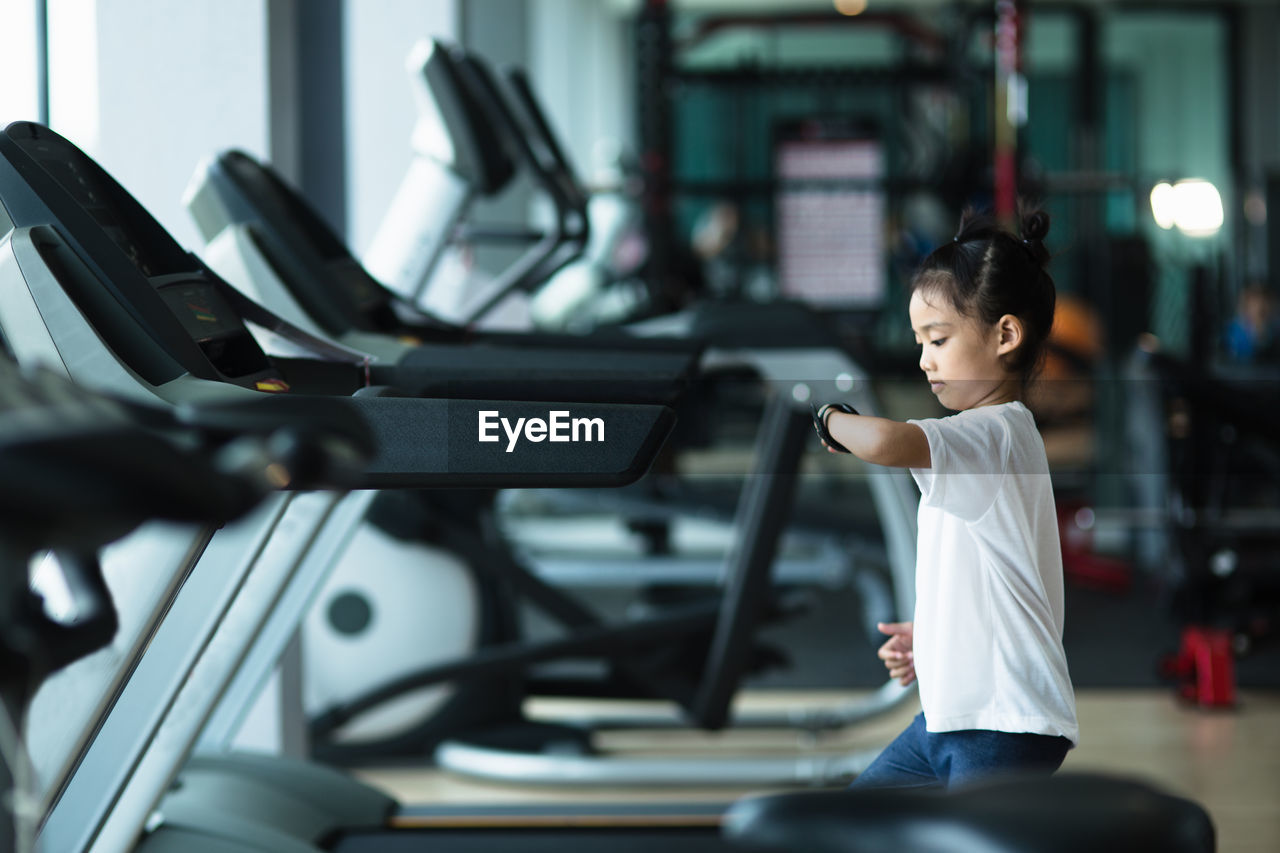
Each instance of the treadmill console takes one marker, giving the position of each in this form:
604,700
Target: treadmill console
76,174
198,312
264,200
446,112
214,325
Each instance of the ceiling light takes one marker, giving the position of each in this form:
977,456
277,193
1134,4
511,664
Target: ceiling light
851,7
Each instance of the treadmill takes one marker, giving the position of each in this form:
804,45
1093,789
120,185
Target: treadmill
61,453
785,343
274,247
473,131
78,470
265,240
93,286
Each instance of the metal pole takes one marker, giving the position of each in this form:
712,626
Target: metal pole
1010,107
42,62
653,60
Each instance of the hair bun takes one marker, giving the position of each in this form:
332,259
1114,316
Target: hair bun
1035,226
975,225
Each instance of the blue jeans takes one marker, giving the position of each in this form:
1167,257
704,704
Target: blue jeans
921,759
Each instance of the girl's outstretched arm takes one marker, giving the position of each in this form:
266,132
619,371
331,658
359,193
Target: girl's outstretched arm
880,440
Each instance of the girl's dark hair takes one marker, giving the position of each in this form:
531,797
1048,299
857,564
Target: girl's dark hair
987,272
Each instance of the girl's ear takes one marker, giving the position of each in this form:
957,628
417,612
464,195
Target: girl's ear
1008,334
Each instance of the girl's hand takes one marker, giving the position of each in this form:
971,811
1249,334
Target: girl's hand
897,652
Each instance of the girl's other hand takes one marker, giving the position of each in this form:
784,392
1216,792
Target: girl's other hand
897,652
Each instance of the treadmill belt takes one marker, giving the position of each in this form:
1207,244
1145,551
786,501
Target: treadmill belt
621,839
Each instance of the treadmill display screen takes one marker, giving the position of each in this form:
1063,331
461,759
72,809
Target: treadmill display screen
81,178
201,310
218,330
82,189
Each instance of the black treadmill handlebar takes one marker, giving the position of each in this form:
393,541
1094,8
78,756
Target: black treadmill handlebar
468,233
1065,812
427,443
79,468
1249,403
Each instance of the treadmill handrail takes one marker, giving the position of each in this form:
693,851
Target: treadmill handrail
529,111
450,129
567,236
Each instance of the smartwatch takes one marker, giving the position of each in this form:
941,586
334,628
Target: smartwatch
819,422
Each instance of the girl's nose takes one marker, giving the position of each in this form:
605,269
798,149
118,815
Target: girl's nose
926,362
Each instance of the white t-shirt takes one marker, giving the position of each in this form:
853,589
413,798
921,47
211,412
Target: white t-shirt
989,601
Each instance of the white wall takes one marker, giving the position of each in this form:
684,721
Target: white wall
581,63
379,102
19,95
498,31
149,87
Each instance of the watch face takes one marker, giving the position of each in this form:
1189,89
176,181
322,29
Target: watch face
821,428
818,425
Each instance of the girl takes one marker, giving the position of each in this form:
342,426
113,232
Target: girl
986,640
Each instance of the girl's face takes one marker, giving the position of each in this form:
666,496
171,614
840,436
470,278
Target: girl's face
962,357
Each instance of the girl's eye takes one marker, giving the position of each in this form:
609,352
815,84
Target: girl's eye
938,342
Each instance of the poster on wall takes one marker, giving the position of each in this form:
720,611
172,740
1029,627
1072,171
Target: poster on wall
829,213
